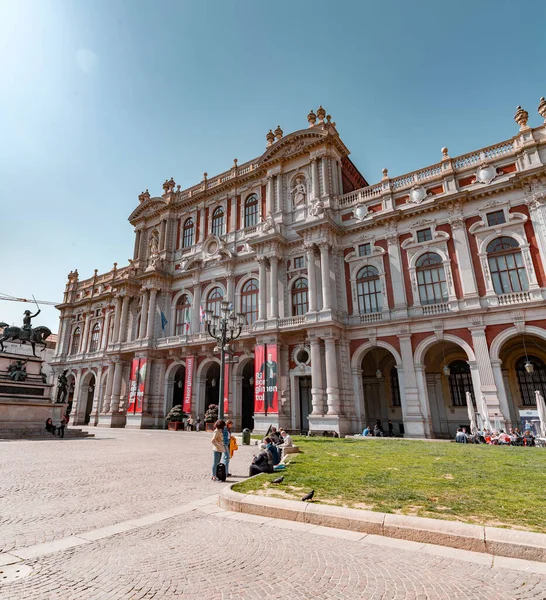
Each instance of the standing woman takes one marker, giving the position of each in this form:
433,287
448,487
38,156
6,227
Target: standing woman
218,446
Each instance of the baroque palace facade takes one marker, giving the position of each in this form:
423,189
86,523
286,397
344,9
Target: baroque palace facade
388,301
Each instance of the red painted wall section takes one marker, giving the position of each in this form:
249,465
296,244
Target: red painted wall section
533,245
492,331
453,257
388,276
417,338
206,223
393,340
238,213
177,243
348,281
405,267
474,254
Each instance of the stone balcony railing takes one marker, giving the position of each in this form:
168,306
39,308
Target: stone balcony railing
436,309
514,298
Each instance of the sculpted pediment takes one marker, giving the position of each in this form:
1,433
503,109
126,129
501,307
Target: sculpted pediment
147,208
292,144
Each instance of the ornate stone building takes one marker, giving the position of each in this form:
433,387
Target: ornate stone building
385,301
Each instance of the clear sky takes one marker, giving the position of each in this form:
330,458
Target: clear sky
101,99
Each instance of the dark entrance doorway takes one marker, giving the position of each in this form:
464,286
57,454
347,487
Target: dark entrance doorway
90,396
306,406
247,416
212,382
178,387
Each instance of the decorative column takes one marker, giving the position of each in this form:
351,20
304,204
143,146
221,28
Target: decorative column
143,314
83,343
60,336
151,314
233,226
488,387
397,273
325,175
332,382
124,317
108,392
162,235
116,386
262,305
117,320
310,252
340,177
317,389
136,251
278,203
196,317
105,328
269,196
230,288
412,410
325,271
501,392
466,268
274,275
315,179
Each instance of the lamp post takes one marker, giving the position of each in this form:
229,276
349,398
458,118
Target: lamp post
224,328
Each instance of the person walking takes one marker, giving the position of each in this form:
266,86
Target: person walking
218,446
197,424
60,429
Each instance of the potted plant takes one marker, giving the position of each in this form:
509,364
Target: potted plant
211,416
175,418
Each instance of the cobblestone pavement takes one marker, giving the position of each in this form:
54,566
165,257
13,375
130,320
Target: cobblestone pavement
204,552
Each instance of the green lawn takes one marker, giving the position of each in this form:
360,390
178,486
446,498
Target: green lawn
501,486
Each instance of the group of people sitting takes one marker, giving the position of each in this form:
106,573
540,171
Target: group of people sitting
378,431
496,438
271,450
56,429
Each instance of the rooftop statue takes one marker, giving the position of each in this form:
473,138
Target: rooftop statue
24,334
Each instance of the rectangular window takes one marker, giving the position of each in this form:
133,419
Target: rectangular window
424,235
496,218
364,249
298,262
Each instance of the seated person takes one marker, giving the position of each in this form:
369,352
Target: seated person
461,437
377,431
528,438
286,439
49,426
503,437
271,447
368,431
275,437
263,463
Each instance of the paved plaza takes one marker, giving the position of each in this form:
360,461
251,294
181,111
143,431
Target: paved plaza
133,514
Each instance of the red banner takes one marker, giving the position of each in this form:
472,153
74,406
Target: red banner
137,385
259,385
270,370
190,362
226,388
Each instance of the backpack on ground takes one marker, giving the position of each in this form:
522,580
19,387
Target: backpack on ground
221,471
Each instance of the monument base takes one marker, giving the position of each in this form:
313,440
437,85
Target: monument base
263,421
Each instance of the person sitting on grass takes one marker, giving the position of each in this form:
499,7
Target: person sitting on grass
286,439
461,437
275,437
263,463
368,431
377,431
275,453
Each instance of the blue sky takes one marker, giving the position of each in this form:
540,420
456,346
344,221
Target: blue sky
102,99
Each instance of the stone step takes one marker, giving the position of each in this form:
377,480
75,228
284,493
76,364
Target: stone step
41,434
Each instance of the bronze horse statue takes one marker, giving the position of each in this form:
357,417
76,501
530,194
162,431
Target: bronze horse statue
38,335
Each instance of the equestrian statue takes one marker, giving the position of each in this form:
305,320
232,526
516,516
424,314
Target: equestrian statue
26,333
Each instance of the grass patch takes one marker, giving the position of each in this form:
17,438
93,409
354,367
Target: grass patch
487,485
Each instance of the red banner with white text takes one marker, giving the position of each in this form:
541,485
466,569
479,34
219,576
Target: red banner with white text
190,364
137,385
226,388
259,386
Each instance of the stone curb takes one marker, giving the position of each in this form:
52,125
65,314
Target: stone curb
476,538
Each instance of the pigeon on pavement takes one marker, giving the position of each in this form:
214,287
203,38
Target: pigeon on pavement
308,496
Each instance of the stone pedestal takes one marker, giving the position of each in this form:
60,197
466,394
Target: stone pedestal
262,422
25,405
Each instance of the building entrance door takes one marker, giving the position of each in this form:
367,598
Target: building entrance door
305,403
247,414
89,404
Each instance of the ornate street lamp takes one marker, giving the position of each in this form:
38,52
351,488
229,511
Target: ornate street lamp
224,328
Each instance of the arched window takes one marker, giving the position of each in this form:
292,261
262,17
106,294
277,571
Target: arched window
76,338
300,302
249,301
431,279
182,317
214,300
395,387
529,383
187,233
506,266
251,210
218,221
460,382
95,338
368,290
